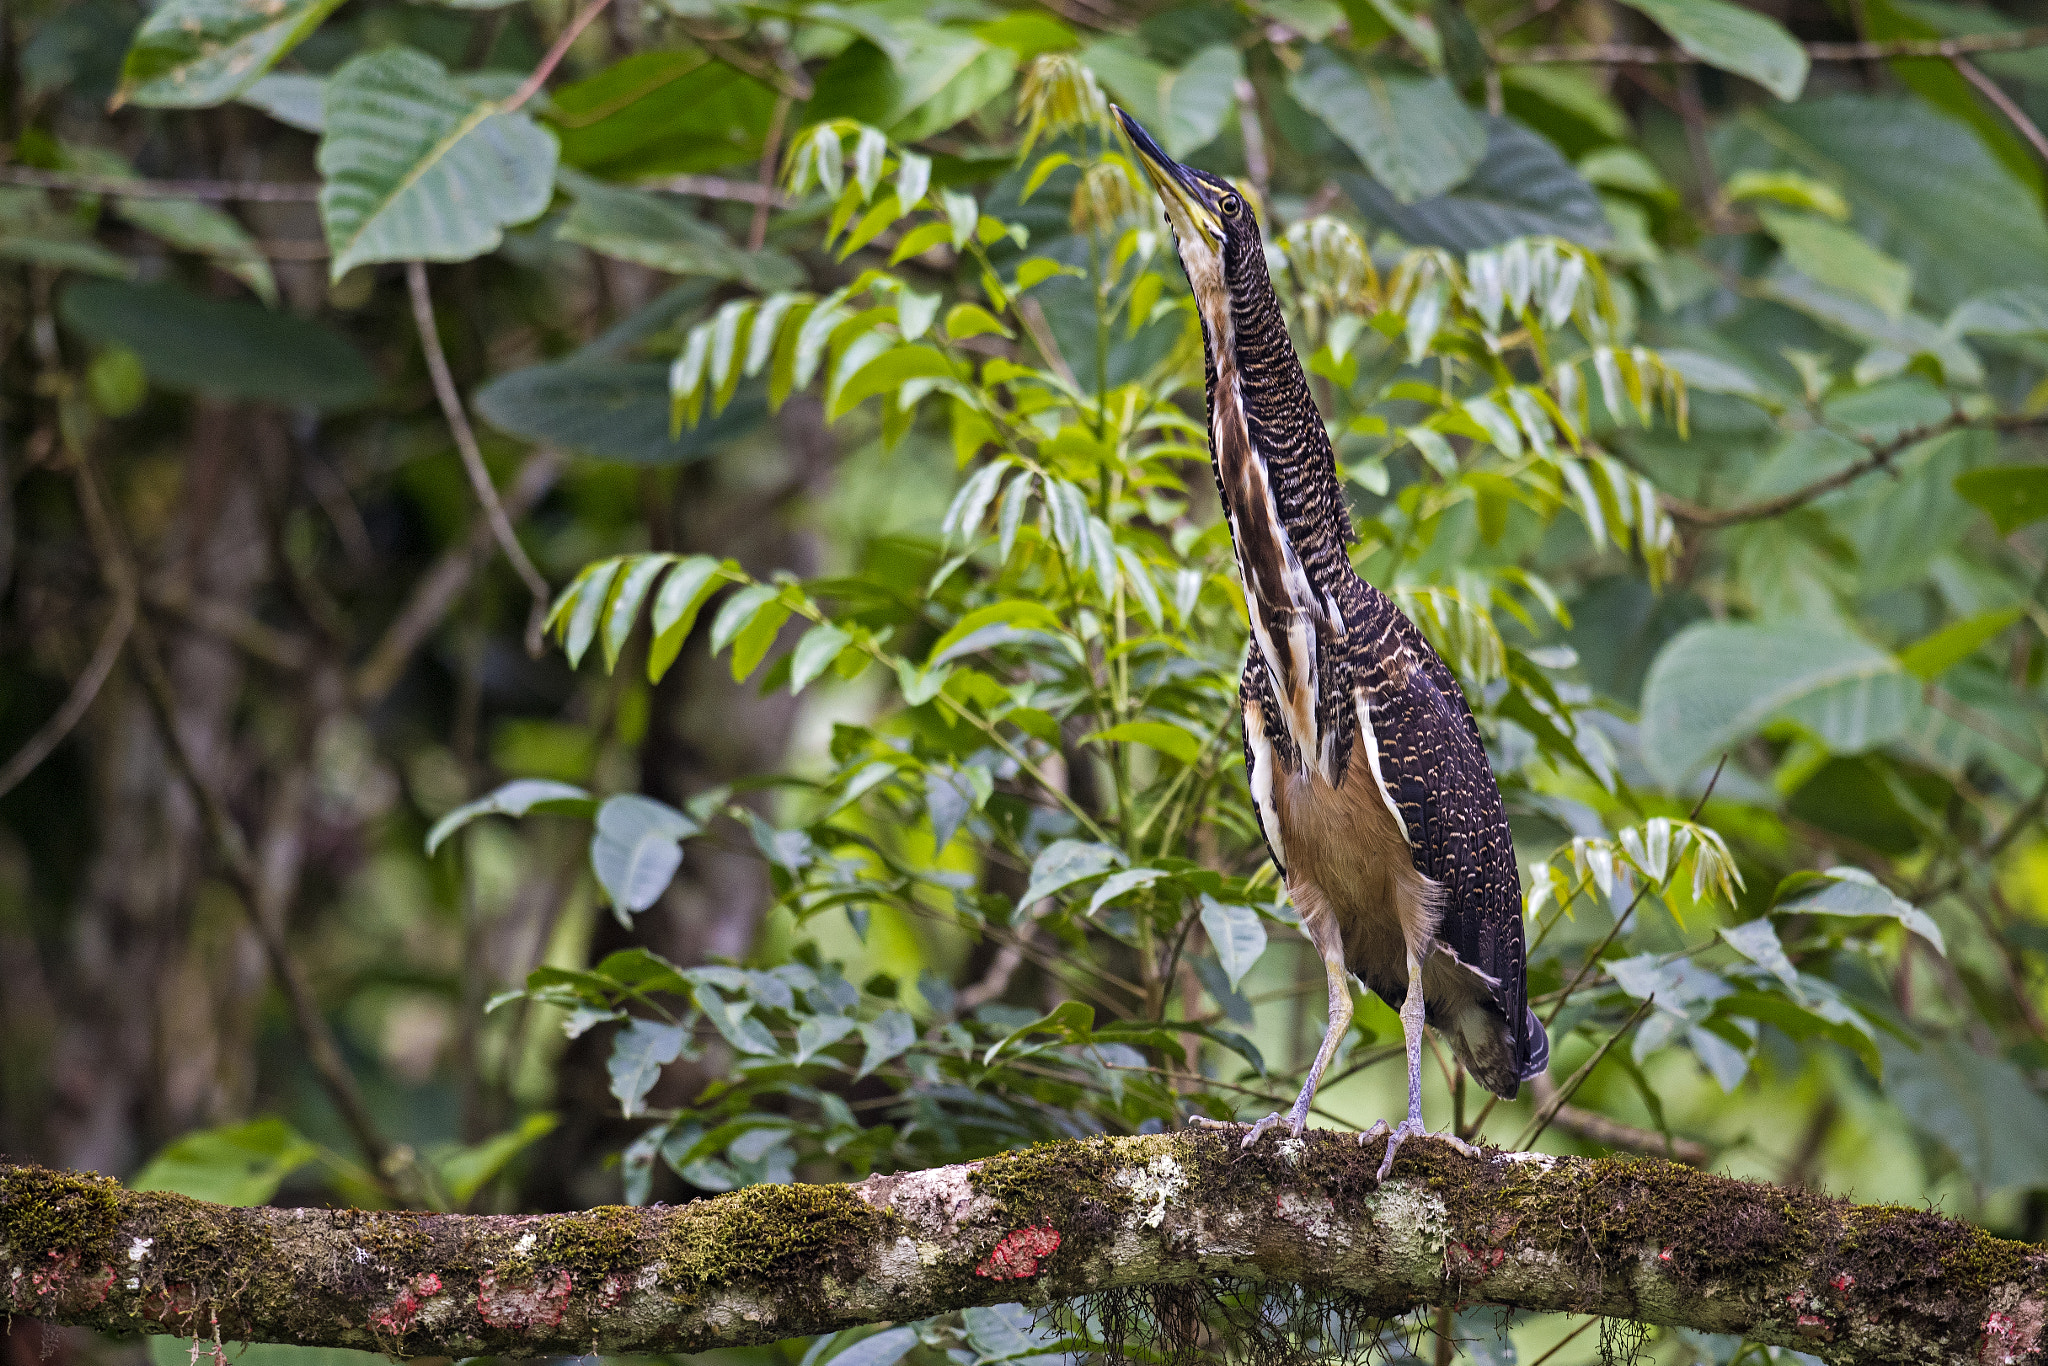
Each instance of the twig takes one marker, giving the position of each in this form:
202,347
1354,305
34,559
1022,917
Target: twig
1612,1133
771,145
245,191
1542,1119
1631,54
1033,318
94,677
465,440
2004,103
437,591
1566,1340
718,187
1880,455
532,84
260,642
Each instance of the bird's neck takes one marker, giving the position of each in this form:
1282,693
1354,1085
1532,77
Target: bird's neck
1251,366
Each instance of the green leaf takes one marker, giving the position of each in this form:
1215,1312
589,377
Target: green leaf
606,409
1734,39
1841,260
1175,742
515,798
1236,933
33,230
757,638
1063,863
183,223
1789,188
736,611
661,232
1757,940
579,628
624,607
1121,884
1714,684
2012,496
819,1032
885,1348
683,594
193,53
734,1020
229,348
639,1052
1981,1108
463,1171
1020,614
661,112
415,168
2021,311
1413,132
636,850
814,654
885,374
1071,1020
887,1036
1923,187
1854,892
237,1164
1523,187
1198,99
972,320
1934,655
294,99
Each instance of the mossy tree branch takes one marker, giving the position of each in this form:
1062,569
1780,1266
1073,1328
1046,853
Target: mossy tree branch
1636,1238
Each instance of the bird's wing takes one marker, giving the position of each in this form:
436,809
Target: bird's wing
1266,746
1433,772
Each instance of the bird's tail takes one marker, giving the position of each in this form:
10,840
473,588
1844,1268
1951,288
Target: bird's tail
1464,1009
1535,1047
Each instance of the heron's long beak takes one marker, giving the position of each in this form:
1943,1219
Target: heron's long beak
1186,198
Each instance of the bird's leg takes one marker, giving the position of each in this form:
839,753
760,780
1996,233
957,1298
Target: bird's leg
1411,1033
1330,943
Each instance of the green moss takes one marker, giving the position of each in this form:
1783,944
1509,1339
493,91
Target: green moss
44,1212
598,1240
1066,1185
774,1234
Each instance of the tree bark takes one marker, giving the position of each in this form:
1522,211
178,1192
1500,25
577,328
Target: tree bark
1635,1238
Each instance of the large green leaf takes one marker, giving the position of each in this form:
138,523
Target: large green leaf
939,77
1942,85
1412,131
419,169
229,348
241,1164
614,410
1979,1107
32,229
1839,259
1198,99
1924,188
1735,39
192,53
1716,683
664,112
2021,311
2012,496
659,231
1523,187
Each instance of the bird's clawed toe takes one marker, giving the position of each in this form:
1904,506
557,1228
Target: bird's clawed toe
1259,1129
1407,1129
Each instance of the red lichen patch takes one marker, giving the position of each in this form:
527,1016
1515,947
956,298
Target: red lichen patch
1842,1282
1017,1256
1462,1259
612,1293
397,1318
2011,1339
64,1279
523,1305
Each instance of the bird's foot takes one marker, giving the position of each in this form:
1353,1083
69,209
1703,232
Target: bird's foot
1295,1124
1408,1128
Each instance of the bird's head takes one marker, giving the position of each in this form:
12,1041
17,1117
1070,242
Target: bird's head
1214,230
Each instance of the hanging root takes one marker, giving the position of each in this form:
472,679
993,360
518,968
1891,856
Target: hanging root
1228,1319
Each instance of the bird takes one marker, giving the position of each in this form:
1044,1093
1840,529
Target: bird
1366,767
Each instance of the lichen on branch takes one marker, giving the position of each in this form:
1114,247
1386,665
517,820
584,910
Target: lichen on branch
1640,1239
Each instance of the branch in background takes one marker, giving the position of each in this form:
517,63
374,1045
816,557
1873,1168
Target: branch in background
718,187
261,642
472,456
1631,54
1880,456
1632,1238
2004,103
1612,1133
435,594
246,191
532,84
771,145
243,869
104,656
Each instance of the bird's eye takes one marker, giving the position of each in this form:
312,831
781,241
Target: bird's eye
1231,206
